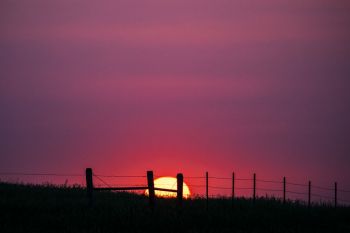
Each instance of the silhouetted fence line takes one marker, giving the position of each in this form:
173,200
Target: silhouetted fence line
150,187
312,193
309,194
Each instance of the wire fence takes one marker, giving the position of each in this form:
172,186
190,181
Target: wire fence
205,186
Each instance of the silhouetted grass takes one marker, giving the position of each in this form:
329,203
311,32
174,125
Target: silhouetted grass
33,208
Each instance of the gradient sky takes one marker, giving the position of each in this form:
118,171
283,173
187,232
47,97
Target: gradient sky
176,85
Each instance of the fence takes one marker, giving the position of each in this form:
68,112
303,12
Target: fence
284,192
284,189
150,187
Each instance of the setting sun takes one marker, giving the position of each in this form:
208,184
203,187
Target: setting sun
169,183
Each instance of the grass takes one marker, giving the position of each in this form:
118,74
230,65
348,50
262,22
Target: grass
49,208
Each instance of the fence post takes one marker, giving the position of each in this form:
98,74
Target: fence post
309,197
335,194
233,187
284,190
89,184
207,188
254,186
180,180
151,192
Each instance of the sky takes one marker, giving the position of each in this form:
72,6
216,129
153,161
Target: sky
177,86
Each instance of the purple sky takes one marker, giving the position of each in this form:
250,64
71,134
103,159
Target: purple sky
195,85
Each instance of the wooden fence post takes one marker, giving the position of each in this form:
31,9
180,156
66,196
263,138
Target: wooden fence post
151,192
335,194
233,187
254,186
89,184
207,188
180,180
284,190
309,197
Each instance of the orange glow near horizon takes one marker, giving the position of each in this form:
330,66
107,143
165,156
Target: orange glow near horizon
168,182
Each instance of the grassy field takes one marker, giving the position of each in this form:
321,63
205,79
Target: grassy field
25,208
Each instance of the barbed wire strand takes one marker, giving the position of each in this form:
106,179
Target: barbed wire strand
124,185
219,178
218,187
342,200
269,190
322,188
322,196
102,181
343,191
194,177
120,176
269,181
297,184
293,192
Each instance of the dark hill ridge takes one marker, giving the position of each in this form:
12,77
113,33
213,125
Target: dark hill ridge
25,208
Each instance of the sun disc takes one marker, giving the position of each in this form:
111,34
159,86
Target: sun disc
168,182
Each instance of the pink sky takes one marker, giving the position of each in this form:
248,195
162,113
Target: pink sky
127,86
